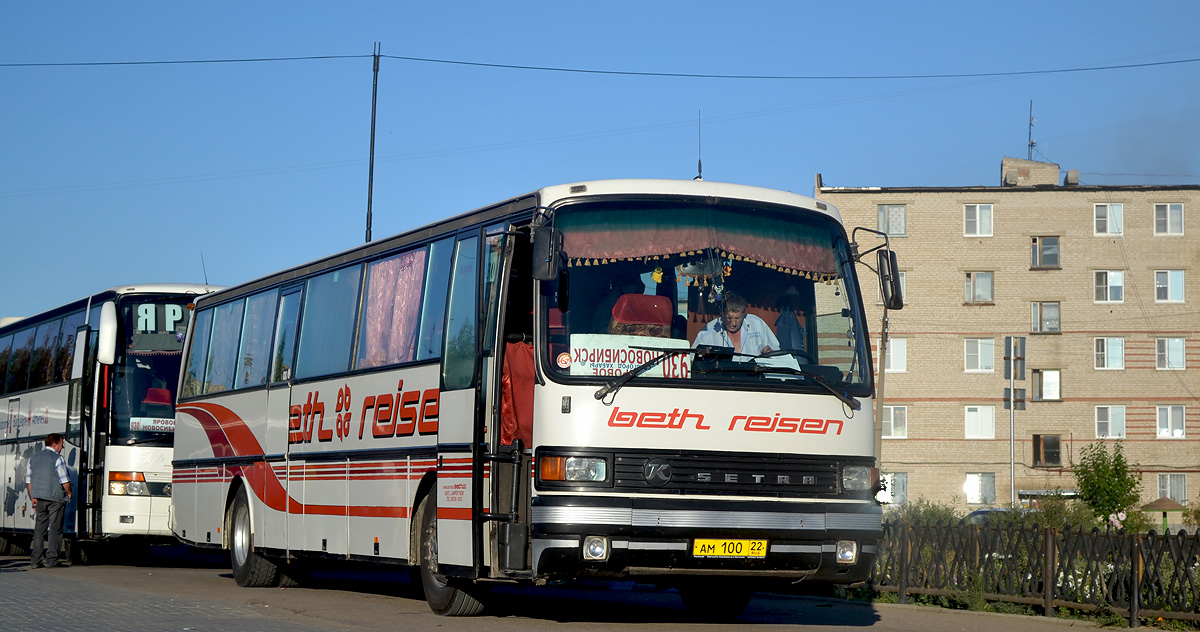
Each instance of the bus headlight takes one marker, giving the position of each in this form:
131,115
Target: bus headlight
127,484
847,552
573,469
857,478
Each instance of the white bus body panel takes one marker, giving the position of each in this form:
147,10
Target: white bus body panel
29,417
149,514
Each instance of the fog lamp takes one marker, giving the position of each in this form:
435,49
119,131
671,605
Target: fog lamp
595,548
847,552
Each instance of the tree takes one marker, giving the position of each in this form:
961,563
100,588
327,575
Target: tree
1106,482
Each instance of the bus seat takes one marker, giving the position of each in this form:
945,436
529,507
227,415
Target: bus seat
641,315
158,397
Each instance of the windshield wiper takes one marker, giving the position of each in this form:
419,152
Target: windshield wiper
750,367
616,383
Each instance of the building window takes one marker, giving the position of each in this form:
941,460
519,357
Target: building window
895,422
978,287
1110,422
1045,318
1168,219
1168,286
896,358
892,218
1173,486
894,490
1046,451
1108,218
977,220
981,422
1110,353
980,355
1045,252
1170,422
1047,385
980,488
1169,353
1110,286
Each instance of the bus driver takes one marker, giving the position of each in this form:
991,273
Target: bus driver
746,333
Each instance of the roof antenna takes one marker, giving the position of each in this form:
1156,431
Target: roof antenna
203,268
699,150
1032,143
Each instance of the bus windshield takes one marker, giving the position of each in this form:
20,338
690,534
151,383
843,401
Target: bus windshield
147,370
734,295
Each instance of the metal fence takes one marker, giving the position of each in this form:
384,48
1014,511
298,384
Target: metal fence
1134,575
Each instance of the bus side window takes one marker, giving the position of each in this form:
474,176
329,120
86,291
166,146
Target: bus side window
5,354
461,340
254,357
284,348
222,353
18,365
41,373
433,308
197,360
329,322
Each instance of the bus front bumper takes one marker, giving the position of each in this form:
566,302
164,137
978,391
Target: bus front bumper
576,536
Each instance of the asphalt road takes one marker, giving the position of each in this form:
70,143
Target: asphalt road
173,592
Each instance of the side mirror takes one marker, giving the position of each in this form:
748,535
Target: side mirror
547,247
889,280
106,348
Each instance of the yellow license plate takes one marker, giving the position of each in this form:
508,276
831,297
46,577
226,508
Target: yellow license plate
729,548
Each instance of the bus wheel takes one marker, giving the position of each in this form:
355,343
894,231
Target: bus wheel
714,601
443,597
249,568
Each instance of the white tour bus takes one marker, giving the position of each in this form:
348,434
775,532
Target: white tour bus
102,372
537,391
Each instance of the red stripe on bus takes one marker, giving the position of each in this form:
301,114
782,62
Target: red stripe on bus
454,513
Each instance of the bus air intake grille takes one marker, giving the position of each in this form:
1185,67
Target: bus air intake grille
731,475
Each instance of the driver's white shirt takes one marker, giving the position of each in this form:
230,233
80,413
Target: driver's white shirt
755,334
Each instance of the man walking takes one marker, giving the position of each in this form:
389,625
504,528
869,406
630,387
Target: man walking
50,490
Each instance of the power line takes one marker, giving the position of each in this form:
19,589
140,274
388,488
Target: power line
627,73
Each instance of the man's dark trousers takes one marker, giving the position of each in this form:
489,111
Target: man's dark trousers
49,518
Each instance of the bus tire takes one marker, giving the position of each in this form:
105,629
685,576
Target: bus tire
249,568
443,596
713,601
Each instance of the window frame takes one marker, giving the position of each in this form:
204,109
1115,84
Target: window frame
1169,286
893,353
1038,379
1040,450
978,220
889,421
1162,354
1038,253
888,480
1038,317
979,355
979,409
1109,413
1166,207
1169,477
885,219
1108,207
983,498
1168,431
971,287
1108,286
1097,352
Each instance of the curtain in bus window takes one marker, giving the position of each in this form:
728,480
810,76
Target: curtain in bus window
254,358
18,365
5,355
45,341
222,352
433,311
389,322
632,231
328,324
193,377
65,354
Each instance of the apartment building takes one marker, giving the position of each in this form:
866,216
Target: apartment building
1104,284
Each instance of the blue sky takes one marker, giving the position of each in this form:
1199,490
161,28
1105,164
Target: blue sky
121,174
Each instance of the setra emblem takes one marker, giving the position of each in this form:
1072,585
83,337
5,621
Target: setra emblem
657,472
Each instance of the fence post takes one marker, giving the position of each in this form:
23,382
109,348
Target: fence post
1135,581
902,585
1050,549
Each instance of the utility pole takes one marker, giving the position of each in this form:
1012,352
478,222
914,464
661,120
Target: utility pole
1032,143
371,165
1014,400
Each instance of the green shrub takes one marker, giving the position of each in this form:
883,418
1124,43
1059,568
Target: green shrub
923,511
